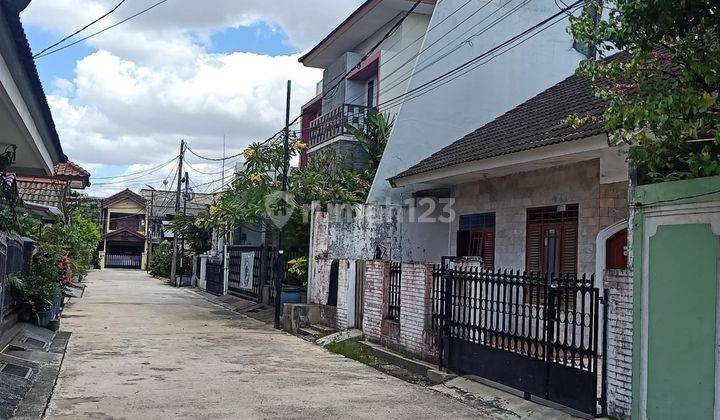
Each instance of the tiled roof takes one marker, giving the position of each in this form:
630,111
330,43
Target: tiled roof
46,191
538,122
124,194
22,47
163,202
71,169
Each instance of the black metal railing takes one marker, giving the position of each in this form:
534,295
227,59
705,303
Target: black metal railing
214,277
535,332
335,122
394,285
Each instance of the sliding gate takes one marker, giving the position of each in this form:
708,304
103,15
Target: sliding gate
246,271
535,333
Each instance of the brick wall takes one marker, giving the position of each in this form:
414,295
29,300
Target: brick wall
342,298
411,333
619,293
376,273
415,290
613,205
319,267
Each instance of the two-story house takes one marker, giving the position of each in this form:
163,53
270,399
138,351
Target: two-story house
123,241
382,75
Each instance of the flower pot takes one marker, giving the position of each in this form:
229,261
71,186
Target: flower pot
291,294
43,317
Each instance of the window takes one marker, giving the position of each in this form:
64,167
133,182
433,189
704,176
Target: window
126,221
552,239
476,238
370,94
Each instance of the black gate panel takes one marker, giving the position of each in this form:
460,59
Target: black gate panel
214,278
537,333
123,261
235,269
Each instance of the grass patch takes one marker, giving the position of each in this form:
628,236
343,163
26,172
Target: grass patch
352,350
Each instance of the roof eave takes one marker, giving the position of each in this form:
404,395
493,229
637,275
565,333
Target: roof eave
575,146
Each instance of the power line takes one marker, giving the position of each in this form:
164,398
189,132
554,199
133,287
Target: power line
413,71
474,60
81,29
102,30
138,172
125,178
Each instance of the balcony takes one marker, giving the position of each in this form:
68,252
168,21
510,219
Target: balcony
334,123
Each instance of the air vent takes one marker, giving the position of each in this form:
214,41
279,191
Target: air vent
16,370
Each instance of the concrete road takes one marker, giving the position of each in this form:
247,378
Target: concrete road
143,350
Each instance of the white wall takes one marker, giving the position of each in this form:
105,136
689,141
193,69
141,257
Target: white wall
432,121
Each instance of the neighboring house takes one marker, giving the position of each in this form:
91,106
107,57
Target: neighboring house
54,192
530,191
460,31
379,77
27,130
161,209
25,117
124,220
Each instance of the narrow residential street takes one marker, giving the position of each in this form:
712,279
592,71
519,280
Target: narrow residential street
142,349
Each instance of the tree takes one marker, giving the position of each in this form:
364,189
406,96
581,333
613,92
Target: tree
662,90
197,235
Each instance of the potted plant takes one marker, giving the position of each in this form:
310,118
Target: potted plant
38,294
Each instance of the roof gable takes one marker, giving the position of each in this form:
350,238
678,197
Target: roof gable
125,194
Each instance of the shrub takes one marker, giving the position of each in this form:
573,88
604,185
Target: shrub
161,260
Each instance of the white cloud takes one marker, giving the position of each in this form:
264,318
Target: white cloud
152,81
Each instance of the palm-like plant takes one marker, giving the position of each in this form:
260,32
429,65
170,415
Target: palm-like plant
373,136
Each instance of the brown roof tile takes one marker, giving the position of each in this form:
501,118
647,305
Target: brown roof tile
46,191
537,122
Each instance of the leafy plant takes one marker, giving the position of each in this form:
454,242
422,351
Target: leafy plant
35,290
373,136
662,91
193,230
161,260
77,236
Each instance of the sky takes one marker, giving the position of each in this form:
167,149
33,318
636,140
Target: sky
193,70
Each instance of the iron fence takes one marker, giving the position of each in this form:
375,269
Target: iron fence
535,332
394,285
122,261
335,122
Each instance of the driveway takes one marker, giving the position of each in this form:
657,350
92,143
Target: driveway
142,349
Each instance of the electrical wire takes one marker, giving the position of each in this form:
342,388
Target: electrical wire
138,172
474,60
102,30
81,29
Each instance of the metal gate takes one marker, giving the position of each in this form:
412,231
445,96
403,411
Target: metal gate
122,261
246,271
214,281
535,333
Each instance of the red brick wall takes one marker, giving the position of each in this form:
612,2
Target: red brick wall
411,333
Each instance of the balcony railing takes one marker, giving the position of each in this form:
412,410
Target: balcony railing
334,123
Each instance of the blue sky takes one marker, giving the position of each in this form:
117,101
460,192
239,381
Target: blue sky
123,100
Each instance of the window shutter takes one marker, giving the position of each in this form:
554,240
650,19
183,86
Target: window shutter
488,251
533,252
569,248
463,242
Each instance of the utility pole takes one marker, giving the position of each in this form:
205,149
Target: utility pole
182,243
281,240
173,268
149,228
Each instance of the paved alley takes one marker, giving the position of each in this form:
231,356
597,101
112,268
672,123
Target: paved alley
142,349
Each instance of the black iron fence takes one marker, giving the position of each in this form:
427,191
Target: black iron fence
214,277
394,284
538,333
123,261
